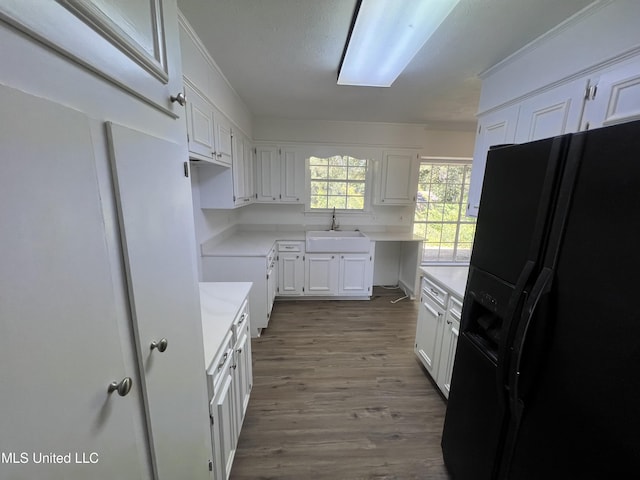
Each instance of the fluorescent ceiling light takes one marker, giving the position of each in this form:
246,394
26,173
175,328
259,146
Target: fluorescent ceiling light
386,35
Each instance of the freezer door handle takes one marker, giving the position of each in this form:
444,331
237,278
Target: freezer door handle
512,311
541,287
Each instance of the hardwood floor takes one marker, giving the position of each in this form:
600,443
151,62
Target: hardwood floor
339,394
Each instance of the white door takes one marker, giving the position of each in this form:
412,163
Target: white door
429,335
292,176
496,128
321,274
291,274
268,174
156,221
397,184
355,274
617,98
552,113
199,125
60,345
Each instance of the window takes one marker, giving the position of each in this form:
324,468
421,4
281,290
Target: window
337,182
440,216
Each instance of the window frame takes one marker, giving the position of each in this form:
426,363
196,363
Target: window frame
462,214
370,155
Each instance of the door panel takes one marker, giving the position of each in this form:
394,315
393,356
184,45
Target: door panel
60,346
156,220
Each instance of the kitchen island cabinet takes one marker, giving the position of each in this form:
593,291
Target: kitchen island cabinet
438,325
227,360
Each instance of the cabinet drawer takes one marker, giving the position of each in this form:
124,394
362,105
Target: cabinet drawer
455,308
434,292
240,322
295,247
220,364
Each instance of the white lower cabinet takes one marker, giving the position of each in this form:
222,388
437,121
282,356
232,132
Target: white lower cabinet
321,274
262,271
355,274
450,332
437,333
291,268
230,379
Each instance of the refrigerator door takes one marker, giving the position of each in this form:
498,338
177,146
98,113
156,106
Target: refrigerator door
579,387
517,197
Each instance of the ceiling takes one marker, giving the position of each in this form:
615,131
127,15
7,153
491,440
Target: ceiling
282,57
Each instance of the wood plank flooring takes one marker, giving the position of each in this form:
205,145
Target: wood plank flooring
339,394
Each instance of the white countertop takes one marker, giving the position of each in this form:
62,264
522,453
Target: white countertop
220,303
257,243
393,237
453,279
247,243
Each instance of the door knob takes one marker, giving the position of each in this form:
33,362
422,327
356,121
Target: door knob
122,388
180,98
161,345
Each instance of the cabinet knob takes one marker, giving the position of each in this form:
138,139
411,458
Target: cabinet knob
123,387
180,98
161,345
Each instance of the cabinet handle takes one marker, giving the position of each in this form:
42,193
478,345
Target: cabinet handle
180,98
233,367
161,345
435,292
224,359
123,387
239,350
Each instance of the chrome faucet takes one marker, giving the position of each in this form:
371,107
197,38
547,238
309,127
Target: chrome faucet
334,225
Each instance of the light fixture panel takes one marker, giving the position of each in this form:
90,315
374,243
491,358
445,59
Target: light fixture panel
386,35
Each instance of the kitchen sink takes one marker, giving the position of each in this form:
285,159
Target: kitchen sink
337,241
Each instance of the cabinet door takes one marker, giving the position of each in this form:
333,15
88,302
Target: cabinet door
224,139
397,178
448,354
292,175
496,128
291,274
242,376
321,274
224,422
551,113
249,183
356,275
617,98
272,286
64,333
164,296
429,335
268,174
199,126
238,171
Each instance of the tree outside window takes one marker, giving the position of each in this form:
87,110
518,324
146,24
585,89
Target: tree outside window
440,218
338,182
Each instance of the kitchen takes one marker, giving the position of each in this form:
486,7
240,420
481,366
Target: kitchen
61,256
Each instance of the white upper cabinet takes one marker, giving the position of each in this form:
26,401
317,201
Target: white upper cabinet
496,128
200,131
209,133
397,178
223,138
132,45
279,174
615,96
552,113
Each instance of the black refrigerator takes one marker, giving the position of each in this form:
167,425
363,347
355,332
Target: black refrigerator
546,379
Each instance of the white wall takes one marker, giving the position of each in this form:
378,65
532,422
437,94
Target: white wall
203,72
587,41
